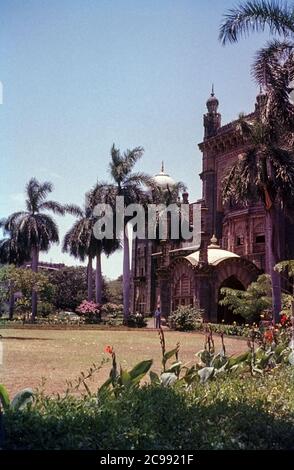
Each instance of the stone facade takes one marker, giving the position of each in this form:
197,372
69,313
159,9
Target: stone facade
170,273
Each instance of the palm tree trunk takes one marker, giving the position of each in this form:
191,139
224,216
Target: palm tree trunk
35,260
126,276
271,221
98,279
11,302
90,278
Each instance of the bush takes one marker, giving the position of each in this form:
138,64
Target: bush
90,311
136,320
230,413
112,314
45,308
222,328
185,318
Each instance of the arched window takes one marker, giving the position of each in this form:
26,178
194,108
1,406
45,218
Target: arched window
183,292
141,304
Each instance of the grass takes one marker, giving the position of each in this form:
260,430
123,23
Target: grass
60,355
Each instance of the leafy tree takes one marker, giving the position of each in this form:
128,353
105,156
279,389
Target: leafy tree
6,289
250,304
287,267
70,287
12,251
25,281
114,290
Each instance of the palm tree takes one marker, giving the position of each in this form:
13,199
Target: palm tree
267,159
131,186
101,194
33,227
80,242
166,196
256,16
273,67
265,172
11,250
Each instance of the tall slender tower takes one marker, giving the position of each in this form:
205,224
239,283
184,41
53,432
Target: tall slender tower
211,122
212,119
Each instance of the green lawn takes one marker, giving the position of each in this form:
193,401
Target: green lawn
57,355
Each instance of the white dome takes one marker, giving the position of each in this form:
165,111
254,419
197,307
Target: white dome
215,256
163,180
214,253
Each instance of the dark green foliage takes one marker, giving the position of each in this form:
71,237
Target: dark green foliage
232,413
136,320
251,303
185,318
114,290
70,287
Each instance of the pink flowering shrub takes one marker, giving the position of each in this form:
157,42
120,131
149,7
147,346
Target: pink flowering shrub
88,308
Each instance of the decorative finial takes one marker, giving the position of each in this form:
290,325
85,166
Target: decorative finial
212,90
213,239
162,167
213,242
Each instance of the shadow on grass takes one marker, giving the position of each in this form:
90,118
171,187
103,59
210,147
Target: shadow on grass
22,338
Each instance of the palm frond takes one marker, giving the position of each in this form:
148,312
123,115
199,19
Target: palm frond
13,220
270,59
256,16
79,241
43,190
139,178
52,206
131,157
73,209
102,192
37,193
121,166
282,162
239,187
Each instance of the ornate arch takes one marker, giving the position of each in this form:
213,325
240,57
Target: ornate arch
182,278
243,270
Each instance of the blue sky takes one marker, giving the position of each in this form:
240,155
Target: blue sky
79,75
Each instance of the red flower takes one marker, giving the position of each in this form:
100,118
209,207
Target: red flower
108,349
269,336
284,320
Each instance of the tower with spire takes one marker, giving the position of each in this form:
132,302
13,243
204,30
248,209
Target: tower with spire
212,119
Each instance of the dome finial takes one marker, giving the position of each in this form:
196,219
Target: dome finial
163,180
212,102
214,242
212,90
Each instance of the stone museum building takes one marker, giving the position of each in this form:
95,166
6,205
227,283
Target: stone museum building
232,253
